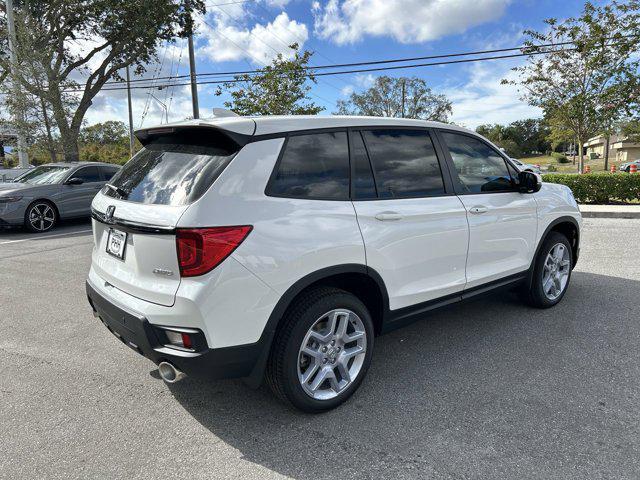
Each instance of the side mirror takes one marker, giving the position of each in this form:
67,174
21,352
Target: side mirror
529,182
74,181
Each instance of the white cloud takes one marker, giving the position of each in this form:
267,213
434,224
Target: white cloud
347,90
483,99
227,41
407,21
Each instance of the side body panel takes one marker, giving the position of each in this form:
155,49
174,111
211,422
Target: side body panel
422,254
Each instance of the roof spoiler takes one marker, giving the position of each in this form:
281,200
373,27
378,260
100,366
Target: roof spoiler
147,135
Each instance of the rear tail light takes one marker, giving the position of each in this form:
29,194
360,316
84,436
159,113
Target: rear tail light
200,250
179,339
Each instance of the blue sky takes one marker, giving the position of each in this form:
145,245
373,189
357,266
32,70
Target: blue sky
240,36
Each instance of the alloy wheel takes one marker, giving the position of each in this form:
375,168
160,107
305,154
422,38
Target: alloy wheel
41,217
555,274
332,354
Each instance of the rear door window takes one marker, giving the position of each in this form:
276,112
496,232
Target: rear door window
404,163
88,174
364,186
313,166
174,169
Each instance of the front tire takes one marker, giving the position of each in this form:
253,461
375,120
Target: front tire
41,216
552,272
323,350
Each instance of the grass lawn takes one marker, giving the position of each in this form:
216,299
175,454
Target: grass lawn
544,161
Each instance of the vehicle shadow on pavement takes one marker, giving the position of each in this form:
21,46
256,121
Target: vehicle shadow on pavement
490,388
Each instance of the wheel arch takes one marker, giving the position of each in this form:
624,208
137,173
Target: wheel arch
360,280
569,227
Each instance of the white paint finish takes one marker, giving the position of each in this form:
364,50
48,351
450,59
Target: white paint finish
555,201
291,237
502,239
419,247
229,304
134,274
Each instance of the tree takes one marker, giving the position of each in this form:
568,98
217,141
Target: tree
397,97
519,138
79,45
277,89
589,84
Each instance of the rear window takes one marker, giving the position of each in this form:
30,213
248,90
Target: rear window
314,166
173,169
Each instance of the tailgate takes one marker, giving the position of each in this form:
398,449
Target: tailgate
149,267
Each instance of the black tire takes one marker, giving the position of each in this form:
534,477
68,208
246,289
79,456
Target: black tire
535,294
282,368
39,205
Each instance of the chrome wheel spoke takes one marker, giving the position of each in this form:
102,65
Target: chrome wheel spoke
332,354
556,270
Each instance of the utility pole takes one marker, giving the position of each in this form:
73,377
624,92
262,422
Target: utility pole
403,86
192,71
13,61
131,139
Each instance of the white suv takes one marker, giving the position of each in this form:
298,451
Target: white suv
279,247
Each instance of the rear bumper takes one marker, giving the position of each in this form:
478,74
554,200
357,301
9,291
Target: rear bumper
137,333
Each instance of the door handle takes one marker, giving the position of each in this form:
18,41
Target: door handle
388,216
478,209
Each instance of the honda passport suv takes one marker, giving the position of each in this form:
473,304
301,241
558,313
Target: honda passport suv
280,247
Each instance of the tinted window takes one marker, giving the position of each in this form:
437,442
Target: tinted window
404,162
109,172
88,174
363,184
479,167
44,175
313,166
173,169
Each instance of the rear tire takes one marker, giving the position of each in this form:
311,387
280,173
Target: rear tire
551,273
40,216
322,351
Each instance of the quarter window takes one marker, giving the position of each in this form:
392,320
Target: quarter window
404,162
480,168
314,166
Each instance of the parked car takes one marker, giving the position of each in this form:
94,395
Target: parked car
39,198
626,167
526,167
281,246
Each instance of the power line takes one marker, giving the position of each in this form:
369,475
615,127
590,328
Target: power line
343,72
377,62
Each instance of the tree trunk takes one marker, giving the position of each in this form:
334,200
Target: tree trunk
606,153
1,151
70,148
580,157
51,146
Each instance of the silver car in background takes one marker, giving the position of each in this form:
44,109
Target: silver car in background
526,167
39,198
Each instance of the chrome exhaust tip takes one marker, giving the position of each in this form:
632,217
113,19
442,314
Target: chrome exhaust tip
169,373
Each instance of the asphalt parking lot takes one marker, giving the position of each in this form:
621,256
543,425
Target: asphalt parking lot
487,389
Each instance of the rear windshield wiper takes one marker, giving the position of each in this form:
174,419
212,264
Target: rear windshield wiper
118,190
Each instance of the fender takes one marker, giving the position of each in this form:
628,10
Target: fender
266,339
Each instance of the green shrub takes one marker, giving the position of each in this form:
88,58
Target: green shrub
560,157
552,168
599,187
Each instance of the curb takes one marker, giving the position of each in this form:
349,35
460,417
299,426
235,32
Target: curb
628,215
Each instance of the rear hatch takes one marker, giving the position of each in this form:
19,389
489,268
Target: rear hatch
135,215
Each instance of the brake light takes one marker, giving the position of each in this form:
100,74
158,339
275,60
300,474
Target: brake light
200,250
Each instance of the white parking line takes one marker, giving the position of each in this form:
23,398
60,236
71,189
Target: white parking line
45,237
